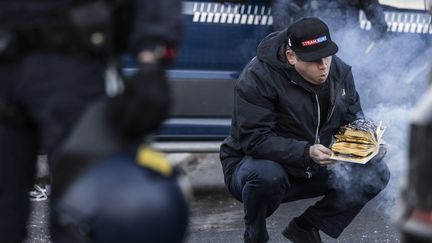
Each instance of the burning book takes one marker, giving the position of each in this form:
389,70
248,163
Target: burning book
358,142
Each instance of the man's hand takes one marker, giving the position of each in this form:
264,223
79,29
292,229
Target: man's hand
320,155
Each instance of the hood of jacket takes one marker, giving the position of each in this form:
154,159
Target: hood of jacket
271,50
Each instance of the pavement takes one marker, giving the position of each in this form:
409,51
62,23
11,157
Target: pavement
204,171
216,217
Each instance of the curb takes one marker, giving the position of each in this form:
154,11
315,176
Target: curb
203,171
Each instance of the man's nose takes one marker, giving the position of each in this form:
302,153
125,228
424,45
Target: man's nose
322,64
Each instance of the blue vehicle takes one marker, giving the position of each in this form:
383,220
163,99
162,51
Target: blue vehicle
221,37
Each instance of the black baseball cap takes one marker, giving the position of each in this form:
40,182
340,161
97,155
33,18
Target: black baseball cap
310,39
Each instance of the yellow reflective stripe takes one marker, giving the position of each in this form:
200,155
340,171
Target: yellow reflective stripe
154,160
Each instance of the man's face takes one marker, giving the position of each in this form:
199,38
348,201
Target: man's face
315,72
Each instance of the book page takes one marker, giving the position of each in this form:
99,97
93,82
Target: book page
363,160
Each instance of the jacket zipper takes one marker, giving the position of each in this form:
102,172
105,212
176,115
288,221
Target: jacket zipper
333,100
308,173
317,140
331,112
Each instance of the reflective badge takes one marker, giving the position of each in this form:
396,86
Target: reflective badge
154,160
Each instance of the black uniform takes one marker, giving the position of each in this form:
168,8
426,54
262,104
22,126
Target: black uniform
276,117
48,75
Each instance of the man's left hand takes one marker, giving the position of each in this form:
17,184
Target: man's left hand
321,155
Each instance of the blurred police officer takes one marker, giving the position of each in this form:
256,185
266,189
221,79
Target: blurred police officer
416,204
53,58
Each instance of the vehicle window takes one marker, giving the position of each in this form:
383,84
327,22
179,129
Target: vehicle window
407,4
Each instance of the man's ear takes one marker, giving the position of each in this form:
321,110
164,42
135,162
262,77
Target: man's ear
291,57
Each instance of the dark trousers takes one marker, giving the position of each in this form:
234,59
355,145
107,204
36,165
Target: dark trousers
49,91
262,185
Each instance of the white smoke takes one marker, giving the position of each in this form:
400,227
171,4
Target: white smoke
390,80
391,75
396,118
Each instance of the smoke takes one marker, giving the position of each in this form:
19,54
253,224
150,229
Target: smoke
284,13
353,182
389,78
390,74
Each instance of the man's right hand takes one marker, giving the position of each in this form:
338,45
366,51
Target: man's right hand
321,155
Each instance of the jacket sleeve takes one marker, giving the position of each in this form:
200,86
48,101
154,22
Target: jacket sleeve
255,116
375,14
156,23
354,110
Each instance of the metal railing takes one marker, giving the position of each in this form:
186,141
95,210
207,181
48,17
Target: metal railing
402,22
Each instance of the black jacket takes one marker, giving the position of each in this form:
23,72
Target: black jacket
276,113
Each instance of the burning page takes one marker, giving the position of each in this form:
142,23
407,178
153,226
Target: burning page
358,142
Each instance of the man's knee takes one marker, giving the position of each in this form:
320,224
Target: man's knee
380,176
271,183
267,175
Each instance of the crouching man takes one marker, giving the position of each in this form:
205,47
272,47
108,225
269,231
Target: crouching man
288,102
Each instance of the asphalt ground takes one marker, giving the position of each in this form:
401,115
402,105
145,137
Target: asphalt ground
216,217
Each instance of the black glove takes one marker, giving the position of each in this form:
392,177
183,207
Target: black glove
144,104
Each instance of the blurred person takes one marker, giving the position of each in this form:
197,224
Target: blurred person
288,102
55,61
414,221
340,15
